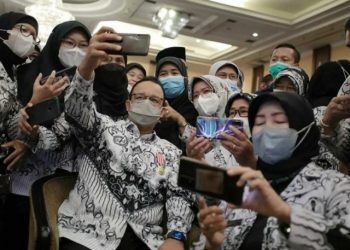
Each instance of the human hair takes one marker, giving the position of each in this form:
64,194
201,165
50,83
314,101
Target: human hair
145,79
290,46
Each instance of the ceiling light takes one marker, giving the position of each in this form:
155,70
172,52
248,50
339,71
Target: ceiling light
255,34
48,15
170,21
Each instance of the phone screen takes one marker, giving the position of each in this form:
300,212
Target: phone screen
212,127
208,180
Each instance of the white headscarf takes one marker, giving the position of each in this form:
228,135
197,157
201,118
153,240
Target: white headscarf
216,66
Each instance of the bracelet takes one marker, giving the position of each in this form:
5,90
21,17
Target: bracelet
325,125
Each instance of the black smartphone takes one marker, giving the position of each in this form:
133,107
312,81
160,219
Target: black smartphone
132,44
43,112
212,127
208,180
69,72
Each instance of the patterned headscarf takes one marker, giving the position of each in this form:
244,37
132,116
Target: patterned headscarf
298,77
219,87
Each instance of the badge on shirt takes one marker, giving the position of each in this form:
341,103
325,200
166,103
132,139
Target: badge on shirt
160,163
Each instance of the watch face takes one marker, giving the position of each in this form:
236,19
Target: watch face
176,235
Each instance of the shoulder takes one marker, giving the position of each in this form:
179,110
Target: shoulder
328,176
168,146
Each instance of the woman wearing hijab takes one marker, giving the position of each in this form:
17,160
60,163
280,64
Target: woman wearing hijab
135,72
172,73
52,147
291,79
324,85
229,71
18,34
289,197
331,109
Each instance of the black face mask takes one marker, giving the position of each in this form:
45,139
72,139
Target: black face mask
110,86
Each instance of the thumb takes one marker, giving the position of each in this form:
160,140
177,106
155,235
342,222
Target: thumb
201,203
166,103
38,78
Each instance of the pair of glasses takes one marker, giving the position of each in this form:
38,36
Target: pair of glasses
241,112
26,32
155,100
69,44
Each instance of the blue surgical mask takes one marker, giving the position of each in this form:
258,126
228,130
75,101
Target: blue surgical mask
277,67
173,86
276,144
232,84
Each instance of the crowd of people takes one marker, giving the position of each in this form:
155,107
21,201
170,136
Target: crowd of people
123,131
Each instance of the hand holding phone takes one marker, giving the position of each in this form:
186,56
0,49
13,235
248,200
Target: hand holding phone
208,180
213,127
44,112
68,72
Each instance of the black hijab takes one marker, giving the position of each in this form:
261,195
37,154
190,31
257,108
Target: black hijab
326,82
7,22
110,86
131,66
48,59
169,129
300,114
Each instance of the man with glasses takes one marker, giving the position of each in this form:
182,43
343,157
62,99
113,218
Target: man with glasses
129,178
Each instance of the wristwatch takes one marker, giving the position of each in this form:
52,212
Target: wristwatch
177,235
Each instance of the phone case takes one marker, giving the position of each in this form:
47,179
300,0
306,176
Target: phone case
69,72
208,180
44,112
212,127
133,44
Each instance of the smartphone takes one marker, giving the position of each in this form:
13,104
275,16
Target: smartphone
212,127
44,112
208,180
132,44
69,72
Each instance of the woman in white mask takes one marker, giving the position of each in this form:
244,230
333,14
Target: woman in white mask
65,47
291,202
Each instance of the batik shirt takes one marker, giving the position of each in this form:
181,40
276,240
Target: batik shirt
319,201
124,179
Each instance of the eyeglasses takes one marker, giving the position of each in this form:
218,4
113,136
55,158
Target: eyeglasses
69,44
241,112
155,100
25,32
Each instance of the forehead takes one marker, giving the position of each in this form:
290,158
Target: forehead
76,35
135,71
168,67
288,52
270,107
149,88
240,103
227,69
199,85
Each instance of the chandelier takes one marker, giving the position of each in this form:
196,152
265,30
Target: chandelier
170,21
48,15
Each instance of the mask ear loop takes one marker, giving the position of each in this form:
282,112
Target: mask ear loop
307,128
345,72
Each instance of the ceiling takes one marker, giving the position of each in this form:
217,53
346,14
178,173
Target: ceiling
219,31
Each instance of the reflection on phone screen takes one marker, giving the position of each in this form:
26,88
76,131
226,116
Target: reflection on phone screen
210,181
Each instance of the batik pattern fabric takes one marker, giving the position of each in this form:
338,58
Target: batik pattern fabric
124,179
55,148
9,106
326,158
319,200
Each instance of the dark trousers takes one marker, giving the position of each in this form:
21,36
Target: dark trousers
16,223
129,242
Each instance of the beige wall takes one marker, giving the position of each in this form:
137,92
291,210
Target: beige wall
338,51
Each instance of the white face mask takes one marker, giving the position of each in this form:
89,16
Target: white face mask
207,104
21,45
144,113
71,57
